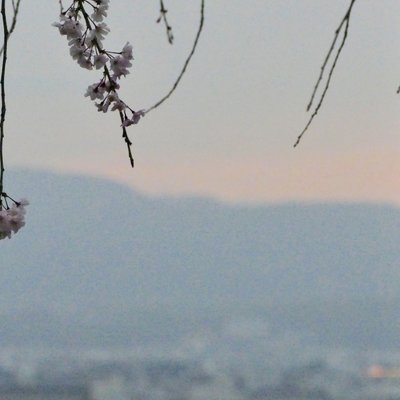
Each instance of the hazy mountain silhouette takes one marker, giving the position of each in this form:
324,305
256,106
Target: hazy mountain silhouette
98,260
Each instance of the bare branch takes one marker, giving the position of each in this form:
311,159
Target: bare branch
14,20
128,142
175,85
344,23
6,37
168,27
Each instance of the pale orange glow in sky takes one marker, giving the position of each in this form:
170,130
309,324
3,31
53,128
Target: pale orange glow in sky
340,178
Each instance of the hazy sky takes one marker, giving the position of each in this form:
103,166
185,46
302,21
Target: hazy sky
229,129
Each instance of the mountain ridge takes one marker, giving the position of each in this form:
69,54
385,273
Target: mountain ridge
95,251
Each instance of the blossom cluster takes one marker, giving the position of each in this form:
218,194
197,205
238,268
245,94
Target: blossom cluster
85,32
12,219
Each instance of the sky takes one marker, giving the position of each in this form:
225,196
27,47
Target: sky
229,129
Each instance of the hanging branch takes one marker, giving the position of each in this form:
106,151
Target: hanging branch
15,7
343,27
168,27
3,93
175,85
83,25
12,212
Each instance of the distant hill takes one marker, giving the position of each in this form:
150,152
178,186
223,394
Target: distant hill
95,254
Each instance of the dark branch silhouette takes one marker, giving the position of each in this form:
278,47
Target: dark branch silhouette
175,85
15,6
6,37
168,27
343,26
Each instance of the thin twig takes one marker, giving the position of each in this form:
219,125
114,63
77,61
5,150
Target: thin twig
345,22
3,92
168,27
127,141
175,85
14,20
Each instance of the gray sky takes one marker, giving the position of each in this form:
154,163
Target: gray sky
229,129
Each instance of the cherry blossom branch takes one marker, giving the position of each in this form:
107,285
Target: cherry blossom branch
12,213
188,59
343,26
168,27
85,31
